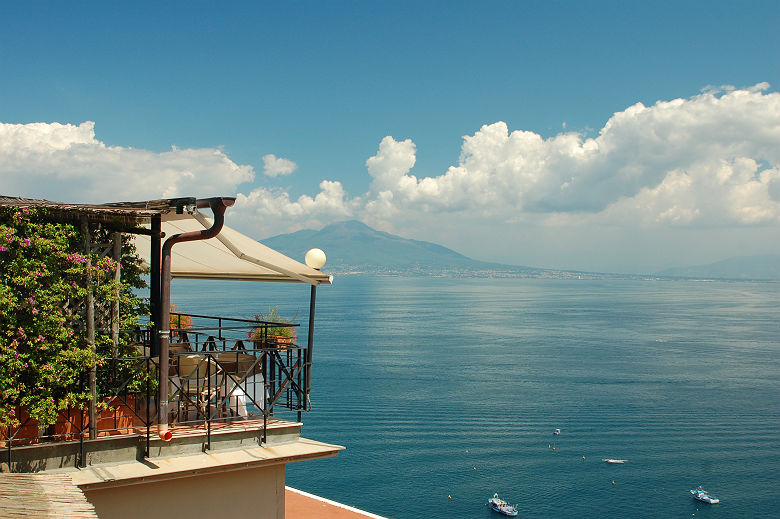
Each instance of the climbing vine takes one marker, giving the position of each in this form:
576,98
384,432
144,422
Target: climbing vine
44,350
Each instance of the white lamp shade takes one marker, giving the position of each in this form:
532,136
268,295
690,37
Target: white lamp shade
315,258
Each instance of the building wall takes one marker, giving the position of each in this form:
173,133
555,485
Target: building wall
256,493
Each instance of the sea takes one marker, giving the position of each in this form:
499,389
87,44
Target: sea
445,391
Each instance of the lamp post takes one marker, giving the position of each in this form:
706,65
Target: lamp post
315,259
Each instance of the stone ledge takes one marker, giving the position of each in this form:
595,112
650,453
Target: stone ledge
163,468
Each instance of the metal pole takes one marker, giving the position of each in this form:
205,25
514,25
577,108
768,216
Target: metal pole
154,284
208,402
90,331
310,344
218,207
117,256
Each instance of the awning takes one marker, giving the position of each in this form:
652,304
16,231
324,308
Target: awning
231,255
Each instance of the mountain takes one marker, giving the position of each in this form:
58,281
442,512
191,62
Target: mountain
766,267
353,247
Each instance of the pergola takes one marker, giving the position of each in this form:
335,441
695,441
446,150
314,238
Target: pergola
205,249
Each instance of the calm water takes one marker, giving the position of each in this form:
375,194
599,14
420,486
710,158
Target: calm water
453,387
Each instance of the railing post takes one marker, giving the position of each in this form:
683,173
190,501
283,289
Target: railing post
208,401
148,404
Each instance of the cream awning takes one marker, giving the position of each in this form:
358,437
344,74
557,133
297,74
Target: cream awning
230,255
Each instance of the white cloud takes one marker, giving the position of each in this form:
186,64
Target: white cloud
710,159
66,162
267,212
274,166
703,164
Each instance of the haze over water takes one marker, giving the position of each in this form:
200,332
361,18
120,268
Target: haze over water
442,387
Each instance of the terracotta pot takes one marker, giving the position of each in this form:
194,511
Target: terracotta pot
22,435
275,341
119,420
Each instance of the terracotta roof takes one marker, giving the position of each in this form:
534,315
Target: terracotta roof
302,505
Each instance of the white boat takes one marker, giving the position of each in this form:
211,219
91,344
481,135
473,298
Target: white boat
701,495
556,432
502,507
614,461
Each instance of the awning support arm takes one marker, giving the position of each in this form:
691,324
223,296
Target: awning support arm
245,257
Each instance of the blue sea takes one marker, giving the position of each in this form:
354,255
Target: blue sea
444,391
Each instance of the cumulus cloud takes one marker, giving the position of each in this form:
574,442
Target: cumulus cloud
274,166
706,161
274,212
710,159
66,162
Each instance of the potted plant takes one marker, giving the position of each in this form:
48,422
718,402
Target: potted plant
274,329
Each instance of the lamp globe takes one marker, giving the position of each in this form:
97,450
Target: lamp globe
315,258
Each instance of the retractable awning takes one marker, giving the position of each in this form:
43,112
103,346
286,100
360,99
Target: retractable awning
230,255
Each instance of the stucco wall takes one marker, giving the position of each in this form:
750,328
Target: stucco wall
256,493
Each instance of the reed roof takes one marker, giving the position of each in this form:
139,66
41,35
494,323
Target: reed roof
41,496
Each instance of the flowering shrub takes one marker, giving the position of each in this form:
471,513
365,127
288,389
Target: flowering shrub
43,341
178,321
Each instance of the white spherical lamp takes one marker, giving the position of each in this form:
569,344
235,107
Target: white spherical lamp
315,258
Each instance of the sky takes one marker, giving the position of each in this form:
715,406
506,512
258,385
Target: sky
604,136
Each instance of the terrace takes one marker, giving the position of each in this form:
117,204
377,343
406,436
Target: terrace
223,388
199,400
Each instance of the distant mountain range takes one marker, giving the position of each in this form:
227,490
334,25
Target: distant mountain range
747,267
355,248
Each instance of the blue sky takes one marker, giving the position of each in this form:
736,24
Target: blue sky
314,112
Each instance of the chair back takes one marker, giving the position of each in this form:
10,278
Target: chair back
194,366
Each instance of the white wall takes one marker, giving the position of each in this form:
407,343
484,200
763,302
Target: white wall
256,493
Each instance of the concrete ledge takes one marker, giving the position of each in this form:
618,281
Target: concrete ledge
156,469
131,447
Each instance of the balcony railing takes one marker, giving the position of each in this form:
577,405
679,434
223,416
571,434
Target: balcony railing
221,371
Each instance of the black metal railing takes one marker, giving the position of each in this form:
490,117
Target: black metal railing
222,370
226,369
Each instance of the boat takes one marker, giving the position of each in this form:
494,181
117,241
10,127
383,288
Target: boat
556,432
502,507
702,495
614,461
